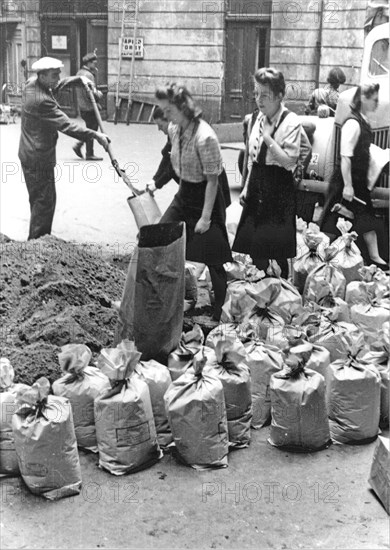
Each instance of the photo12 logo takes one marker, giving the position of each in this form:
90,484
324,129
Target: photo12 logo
270,492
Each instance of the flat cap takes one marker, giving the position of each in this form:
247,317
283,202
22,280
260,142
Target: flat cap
89,57
46,63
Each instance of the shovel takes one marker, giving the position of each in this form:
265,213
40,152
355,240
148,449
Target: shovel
344,211
141,202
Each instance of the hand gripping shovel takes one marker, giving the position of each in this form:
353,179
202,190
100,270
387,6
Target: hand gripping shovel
142,203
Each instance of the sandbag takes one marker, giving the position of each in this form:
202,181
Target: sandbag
298,410
329,333
348,257
228,362
195,405
238,304
191,283
265,320
380,472
151,311
180,359
80,384
125,429
317,359
158,380
371,316
8,396
311,256
379,357
288,297
373,280
263,361
325,279
353,395
45,443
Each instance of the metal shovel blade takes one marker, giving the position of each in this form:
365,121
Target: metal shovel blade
145,209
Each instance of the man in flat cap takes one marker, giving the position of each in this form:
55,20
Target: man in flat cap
88,70
42,119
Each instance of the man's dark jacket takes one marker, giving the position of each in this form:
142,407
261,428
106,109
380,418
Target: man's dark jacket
42,119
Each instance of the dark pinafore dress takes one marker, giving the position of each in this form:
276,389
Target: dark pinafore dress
364,219
267,228
212,247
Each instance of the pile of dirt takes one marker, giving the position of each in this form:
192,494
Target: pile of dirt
52,293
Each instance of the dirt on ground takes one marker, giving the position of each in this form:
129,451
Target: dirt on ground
54,292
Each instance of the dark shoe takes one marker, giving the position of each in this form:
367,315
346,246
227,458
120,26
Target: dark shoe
383,267
77,150
93,158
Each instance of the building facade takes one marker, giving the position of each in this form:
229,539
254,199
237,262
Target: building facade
214,46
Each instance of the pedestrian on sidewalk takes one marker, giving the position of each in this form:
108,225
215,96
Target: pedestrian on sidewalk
42,119
199,202
323,101
87,113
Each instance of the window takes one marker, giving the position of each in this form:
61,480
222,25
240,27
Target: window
379,60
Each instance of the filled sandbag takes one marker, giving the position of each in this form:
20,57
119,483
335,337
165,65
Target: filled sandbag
45,443
311,256
180,359
228,362
266,322
371,315
326,278
371,278
348,257
222,332
158,380
298,409
263,361
379,357
151,310
330,331
380,472
288,298
8,396
353,395
125,429
195,405
80,384
317,358
238,304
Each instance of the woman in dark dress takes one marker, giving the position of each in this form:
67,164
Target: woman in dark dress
349,185
196,159
267,227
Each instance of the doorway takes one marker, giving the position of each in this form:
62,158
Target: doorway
247,49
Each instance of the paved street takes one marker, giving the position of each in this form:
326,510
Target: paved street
91,199
267,498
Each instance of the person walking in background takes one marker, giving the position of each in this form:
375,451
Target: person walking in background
267,228
42,119
348,185
324,100
165,172
87,113
199,202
